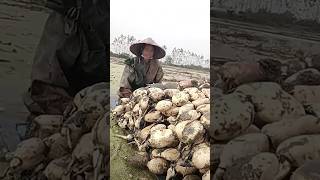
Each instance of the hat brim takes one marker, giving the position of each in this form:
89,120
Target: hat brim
136,49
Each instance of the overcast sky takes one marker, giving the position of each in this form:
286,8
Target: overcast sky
174,23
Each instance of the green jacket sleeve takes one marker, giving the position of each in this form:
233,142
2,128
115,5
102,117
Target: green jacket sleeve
159,75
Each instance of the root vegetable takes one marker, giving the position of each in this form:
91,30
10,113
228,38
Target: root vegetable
308,171
191,177
140,92
206,176
58,146
163,105
170,92
144,102
201,158
231,117
152,116
173,111
203,108
158,166
48,125
306,95
170,154
206,92
118,110
162,138
183,169
189,115
205,120
271,102
124,101
28,154
156,94
282,130
192,132
56,168
260,166
297,150
180,98
201,101
242,146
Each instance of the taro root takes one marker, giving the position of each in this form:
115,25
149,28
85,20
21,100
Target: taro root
180,127
84,149
152,116
271,102
158,166
143,103
308,171
118,110
299,149
136,109
215,150
206,176
184,169
158,126
192,132
231,117
191,177
251,129
201,157
172,120
170,154
282,130
188,83
189,115
58,146
201,101
204,108
163,105
308,76
156,94
206,92
57,168
170,92
240,147
194,93
172,127
186,108
205,120
139,92
261,166
162,138
124,101
180,98
144,133
78,98
306,95
173,111
48,125
29,154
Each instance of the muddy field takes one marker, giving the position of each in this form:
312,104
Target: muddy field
21,24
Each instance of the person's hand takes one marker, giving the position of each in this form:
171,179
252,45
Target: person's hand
124,93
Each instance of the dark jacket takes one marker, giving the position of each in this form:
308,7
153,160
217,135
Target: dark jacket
137,73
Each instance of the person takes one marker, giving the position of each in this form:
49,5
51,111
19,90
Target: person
71,55
143,69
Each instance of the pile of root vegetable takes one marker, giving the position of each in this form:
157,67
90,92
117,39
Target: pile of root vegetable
267,130
66,147
168,126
